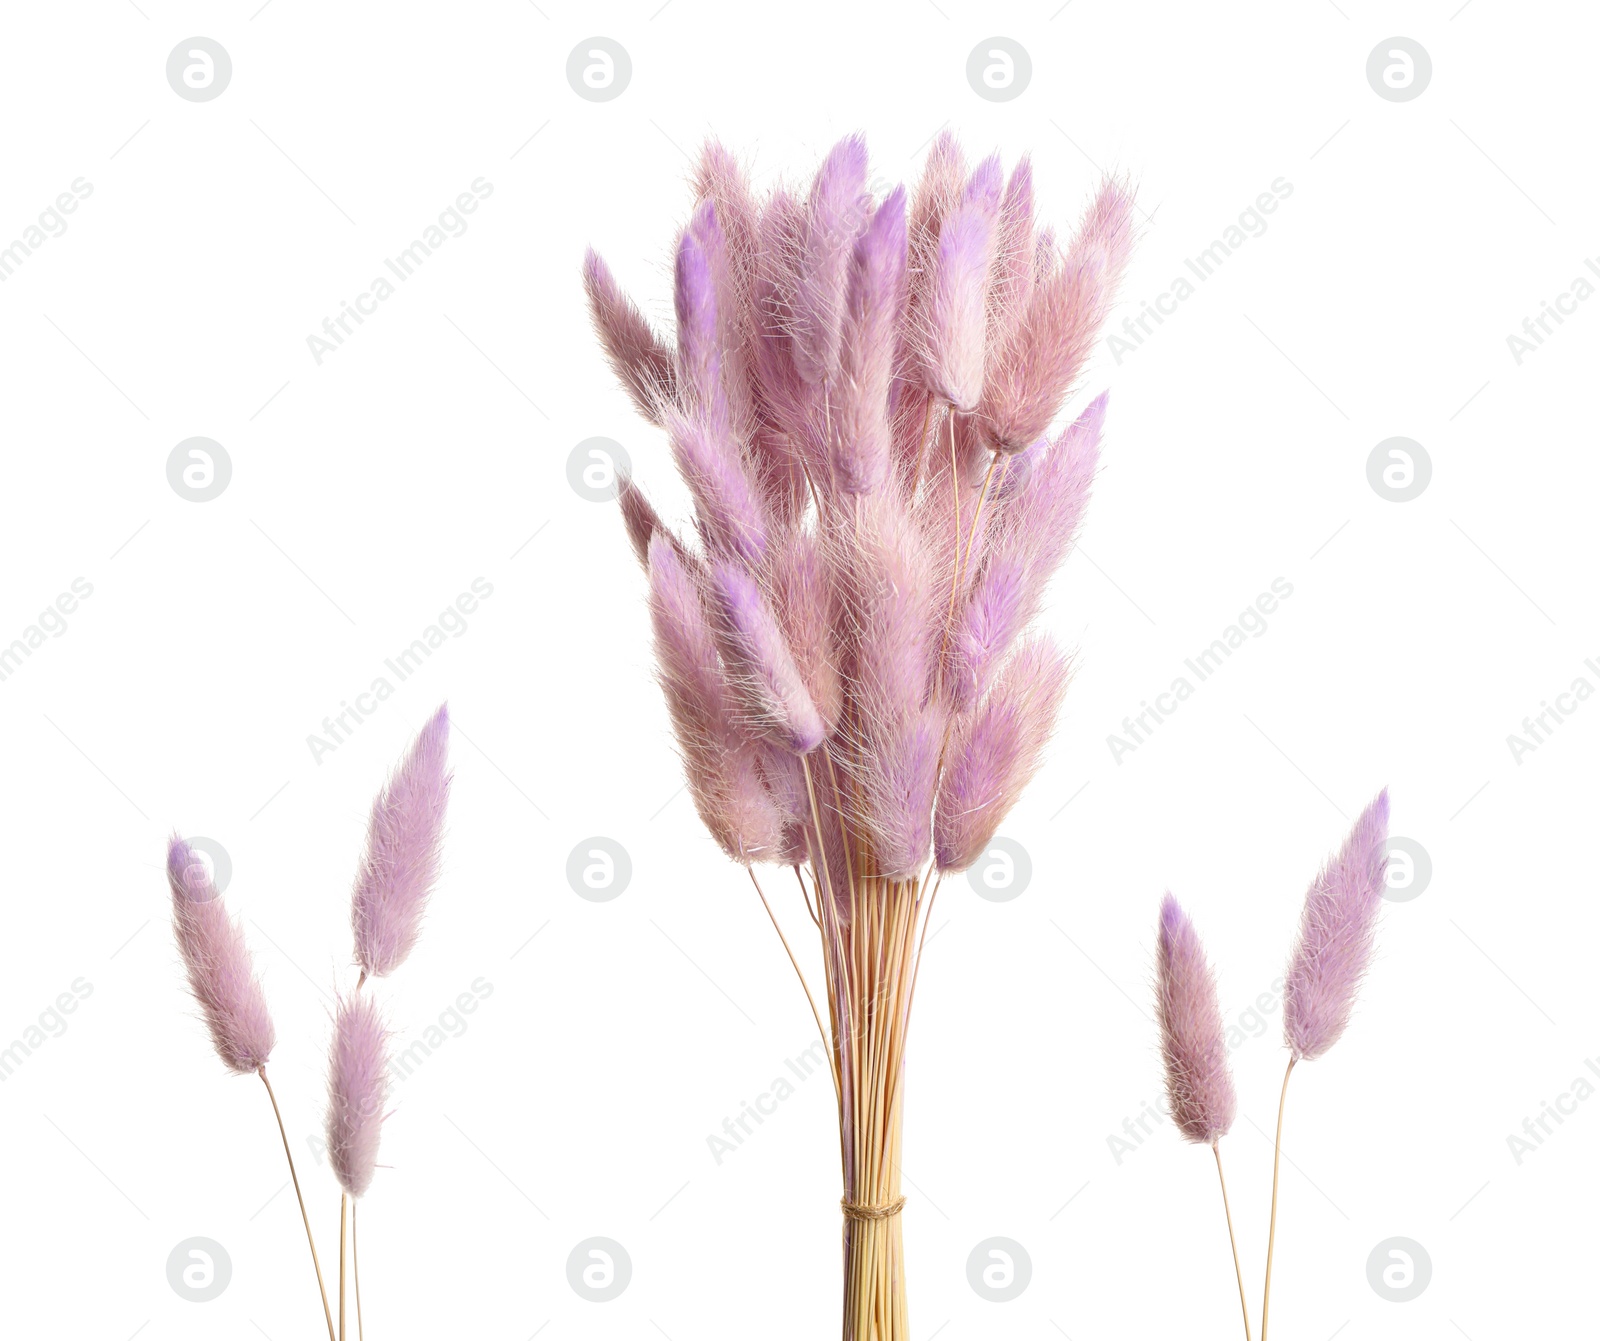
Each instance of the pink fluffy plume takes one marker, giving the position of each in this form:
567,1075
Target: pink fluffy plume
358,1087
1193,1046
402,859
1337,930
221,975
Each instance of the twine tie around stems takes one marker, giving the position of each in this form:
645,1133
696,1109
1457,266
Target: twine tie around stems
860,1210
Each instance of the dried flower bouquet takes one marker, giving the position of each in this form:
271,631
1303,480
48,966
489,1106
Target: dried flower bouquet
860,398
395,880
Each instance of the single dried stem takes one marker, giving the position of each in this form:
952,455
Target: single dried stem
1272,1229
1244,1308
295,1178
355,1270
804,987
344,1207
922,446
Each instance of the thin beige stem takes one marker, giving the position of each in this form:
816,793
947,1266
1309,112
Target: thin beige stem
1244,1308
804,986
344,1207
355,1270
922,447
806,895
1272,1228
295,1178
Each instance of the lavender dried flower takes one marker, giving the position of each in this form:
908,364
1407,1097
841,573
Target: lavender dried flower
641,362
1200,1090
995,752
358,1087
1337,927
221,974
401,862
837,638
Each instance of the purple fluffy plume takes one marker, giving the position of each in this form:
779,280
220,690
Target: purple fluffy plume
728,508
958,307
221,975
639,518
1199,1083
723,765
1337,928
402,858
358,1087
762,668
695,294
872,307
835,212
1024,549
808,606
641,362
1031,373
995,752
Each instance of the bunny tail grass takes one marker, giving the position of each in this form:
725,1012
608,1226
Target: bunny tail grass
1200,1089
358,1085
1337,929
221,974
402,858
861,395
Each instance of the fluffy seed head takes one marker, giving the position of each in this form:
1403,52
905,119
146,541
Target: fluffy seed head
761,667
1337,929
641,362
996,751
1199,1082
221,975
358,1088
401,863
958,307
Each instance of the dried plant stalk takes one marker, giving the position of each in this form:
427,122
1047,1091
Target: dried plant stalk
859,401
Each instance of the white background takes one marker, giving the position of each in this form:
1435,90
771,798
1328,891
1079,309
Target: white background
431,450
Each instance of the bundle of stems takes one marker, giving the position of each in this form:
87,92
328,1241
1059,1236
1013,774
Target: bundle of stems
1338,926
392,888
860,398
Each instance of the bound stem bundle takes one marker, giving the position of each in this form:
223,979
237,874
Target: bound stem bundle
392,889
860,398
